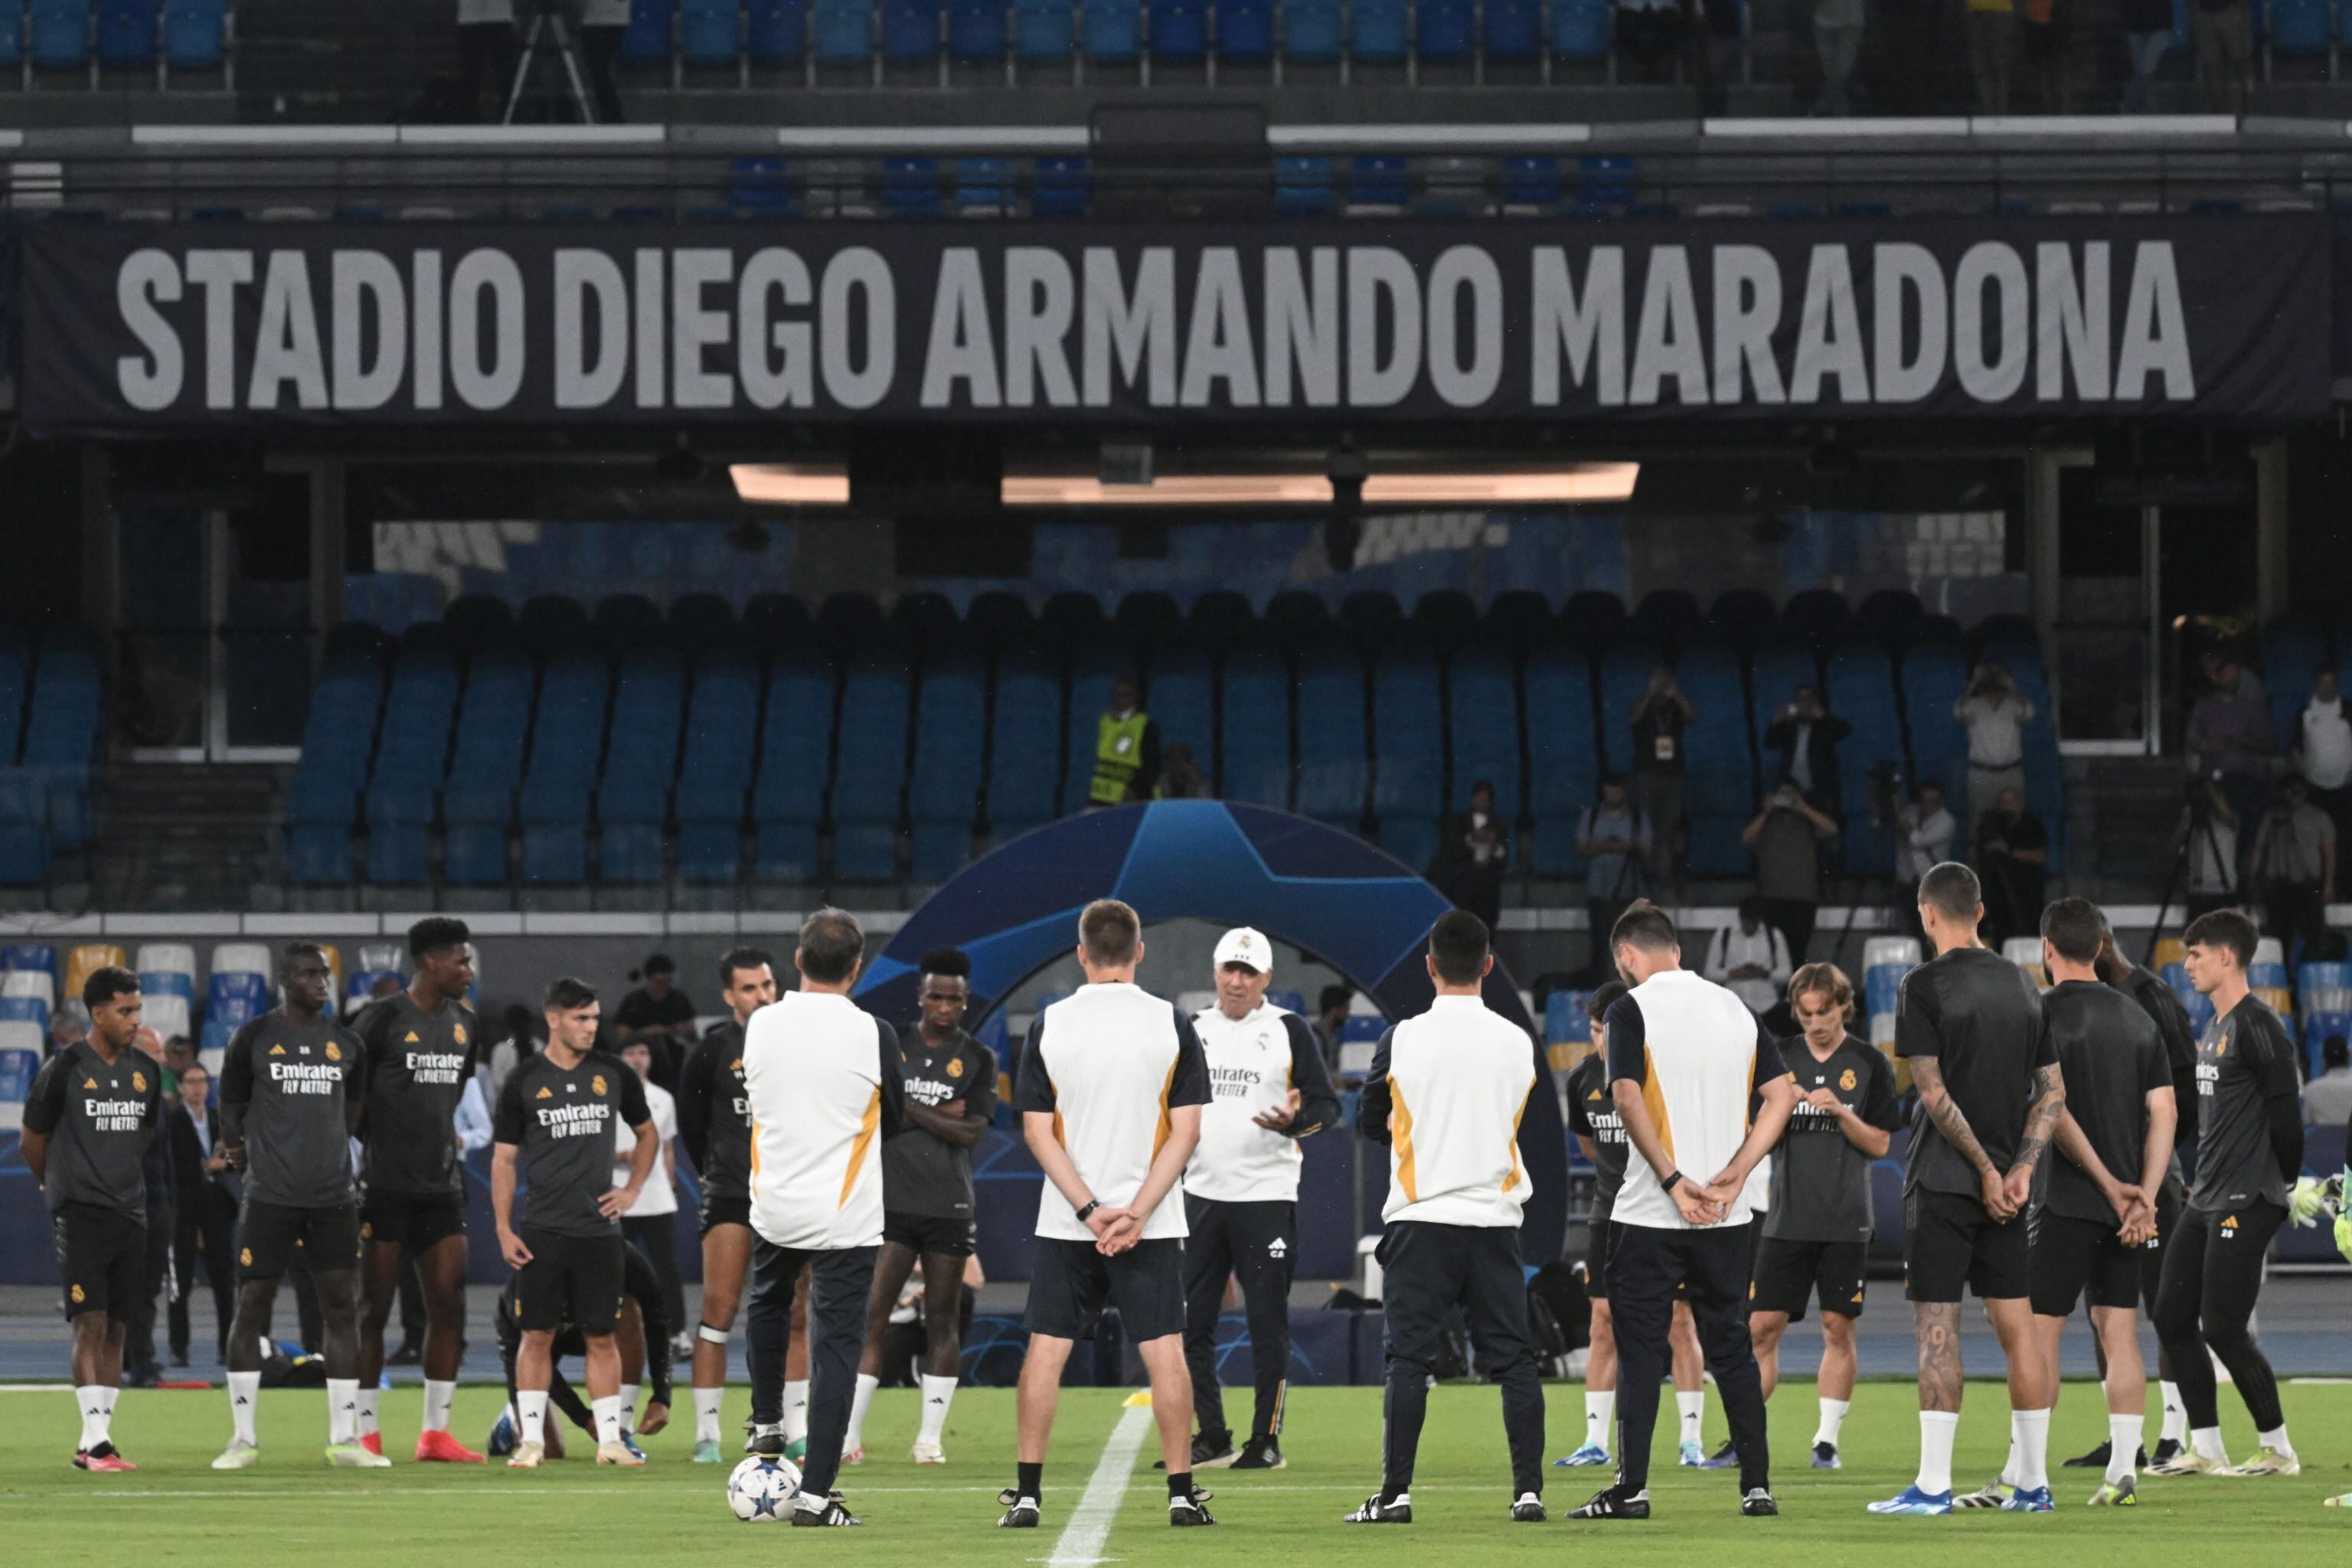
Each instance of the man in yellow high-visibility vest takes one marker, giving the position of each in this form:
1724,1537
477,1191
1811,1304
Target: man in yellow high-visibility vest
1127,751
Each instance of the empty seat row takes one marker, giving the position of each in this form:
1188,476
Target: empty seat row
50,689
113,35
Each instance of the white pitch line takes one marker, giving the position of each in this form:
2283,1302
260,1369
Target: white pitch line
1082,1538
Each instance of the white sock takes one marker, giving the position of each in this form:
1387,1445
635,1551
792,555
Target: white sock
2205,1442
1833,1420
2123,1448
1937,1429
2277,1439
2175,1414
369,1399
2008,1466
1693,1409
607,1411
91,1398
1599,1417
343,1408
629,1408
2033,1430
859,1404
797,1411
243,1390
106,1398
438,1396
531,1404
939,1393
705,1413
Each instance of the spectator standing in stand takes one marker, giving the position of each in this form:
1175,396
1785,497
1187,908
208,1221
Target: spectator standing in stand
2322,751
2013,855
2229,732
1994,712
1922,840
2293,867
1658,720
1473,850
2225,51
1806,736
1786,836
2148,38
1750,958
1613,840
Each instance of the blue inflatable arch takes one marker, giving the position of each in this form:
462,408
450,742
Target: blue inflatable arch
1015,910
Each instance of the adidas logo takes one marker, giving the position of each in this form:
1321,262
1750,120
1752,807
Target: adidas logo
1278,1248
938,1402
241,1399
277,1050
411,1039
546,1094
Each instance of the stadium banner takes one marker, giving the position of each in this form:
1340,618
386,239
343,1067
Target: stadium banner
133,329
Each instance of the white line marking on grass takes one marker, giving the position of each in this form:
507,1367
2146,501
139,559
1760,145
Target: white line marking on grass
1082,1538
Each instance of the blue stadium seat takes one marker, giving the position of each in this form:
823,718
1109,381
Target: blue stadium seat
61,34
984,185
1582,30
1332,765
61,729
1933,677
567,739
1245,31
418,711
710,32
633,801
943,790
24,828
870,776
1531,182
126,33
1408,742
1482,722
715,775
1254,750
195,34
911,187
1302,186
1045,32
796,754
15,680
1178,31
775,32
1625,675
976,31
12,32
1861,691
910,32
485,767
1514,30
1378,180
1025,745
1092,667
1562,779
760,187
646,40
1112,30
1312,32
1181,699
841,32
1718,770
1378,30
1446,30
1062,187
337,737
2300,28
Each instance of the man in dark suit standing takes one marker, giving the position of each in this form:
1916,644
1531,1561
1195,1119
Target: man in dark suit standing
207,1218
1806,737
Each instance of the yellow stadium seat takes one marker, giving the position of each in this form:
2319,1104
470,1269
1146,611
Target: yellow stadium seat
88,960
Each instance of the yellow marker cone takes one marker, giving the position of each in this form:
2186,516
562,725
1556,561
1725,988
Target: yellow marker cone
1139,1400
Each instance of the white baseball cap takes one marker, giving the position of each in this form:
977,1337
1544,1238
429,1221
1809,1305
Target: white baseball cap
1245,944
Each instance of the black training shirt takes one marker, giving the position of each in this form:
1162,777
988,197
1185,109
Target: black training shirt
2244,1061
1593,1116
2112,1056
1980,1015
294,1083
98,1120
923,1173
1821,1182
417,1066
567,1121
714,1115
2161,1002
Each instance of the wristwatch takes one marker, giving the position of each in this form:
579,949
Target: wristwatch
1092,1204
1669,1181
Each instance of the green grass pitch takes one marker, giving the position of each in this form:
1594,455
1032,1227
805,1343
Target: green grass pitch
292,1510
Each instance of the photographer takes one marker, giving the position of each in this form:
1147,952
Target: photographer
2228,736
1613,840
2293,870
1658,720
1807,737
1786,837
2209,830
1923,838
1994,712
2013,858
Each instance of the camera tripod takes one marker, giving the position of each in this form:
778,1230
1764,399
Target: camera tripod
555,33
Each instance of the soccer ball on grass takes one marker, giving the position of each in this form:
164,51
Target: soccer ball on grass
761,1491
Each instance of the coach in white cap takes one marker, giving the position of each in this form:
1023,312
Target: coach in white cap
1268,1088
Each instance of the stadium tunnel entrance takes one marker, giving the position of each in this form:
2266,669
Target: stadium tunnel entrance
1015,910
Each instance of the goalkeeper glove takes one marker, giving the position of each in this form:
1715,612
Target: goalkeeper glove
2307,1202
2344,1235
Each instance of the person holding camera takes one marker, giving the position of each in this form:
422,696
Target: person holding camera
2209,837
1807,737
2013,858
2294,869
1786,836
1924,831
2229,733
1994,711
1658,720
1613,839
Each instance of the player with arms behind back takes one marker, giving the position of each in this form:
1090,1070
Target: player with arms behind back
421,1045
87,1124
290,1086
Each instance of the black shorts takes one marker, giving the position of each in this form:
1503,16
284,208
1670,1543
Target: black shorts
2071,1256
1596,1252
1787,1273
1950,1244
922,1233
102,1258
575,1280
1071,1283
721,1210
414,1222
267,1234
